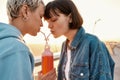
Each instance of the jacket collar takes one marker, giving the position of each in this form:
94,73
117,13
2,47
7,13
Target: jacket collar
78,38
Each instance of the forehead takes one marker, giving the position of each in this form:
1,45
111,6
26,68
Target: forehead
54,13
40,9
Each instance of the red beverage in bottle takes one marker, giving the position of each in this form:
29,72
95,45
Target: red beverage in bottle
47,60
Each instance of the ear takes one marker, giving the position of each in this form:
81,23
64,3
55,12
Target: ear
70,18
24,12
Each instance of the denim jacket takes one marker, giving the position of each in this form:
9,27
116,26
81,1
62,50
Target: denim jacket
90,59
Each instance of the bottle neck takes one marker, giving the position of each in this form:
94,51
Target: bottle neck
47,51
47,46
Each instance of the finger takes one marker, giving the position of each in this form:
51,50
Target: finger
53,71
50,73
41,76
53,75
48,76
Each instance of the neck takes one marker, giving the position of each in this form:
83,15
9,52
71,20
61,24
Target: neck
18,24
70,35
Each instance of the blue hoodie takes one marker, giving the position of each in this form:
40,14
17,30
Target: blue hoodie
16,60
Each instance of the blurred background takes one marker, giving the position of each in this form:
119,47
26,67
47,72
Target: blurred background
101,18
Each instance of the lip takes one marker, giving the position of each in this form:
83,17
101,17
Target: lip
52,32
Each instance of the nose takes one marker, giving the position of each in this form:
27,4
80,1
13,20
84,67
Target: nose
49,25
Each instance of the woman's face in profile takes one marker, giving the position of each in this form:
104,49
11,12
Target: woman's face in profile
34,22
59,24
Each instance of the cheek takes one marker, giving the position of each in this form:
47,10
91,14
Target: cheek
63,26
62,30
36,19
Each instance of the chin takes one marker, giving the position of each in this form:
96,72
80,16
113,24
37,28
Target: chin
56,36
33,34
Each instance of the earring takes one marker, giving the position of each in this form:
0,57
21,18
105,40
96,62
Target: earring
24,19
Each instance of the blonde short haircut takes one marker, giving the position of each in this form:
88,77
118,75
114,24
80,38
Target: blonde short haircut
13,6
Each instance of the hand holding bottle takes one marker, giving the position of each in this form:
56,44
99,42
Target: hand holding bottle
51,75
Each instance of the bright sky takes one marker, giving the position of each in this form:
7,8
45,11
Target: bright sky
105,13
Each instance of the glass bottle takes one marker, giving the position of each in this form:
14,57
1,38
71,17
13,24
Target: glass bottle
47,58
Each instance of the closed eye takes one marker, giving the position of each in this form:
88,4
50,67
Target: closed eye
54,19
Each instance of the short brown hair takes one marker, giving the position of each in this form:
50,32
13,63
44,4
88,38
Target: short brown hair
65,7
